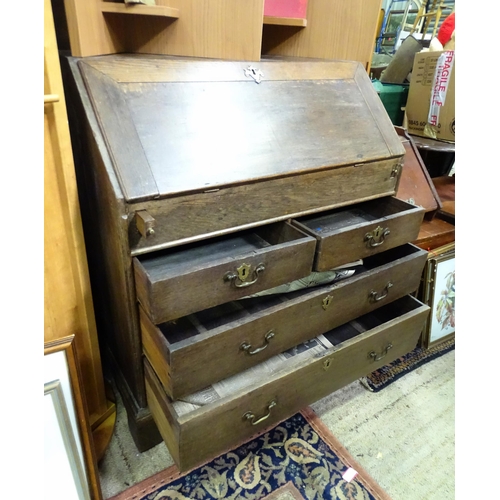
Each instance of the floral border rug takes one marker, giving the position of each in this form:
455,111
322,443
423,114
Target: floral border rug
388,374
297,459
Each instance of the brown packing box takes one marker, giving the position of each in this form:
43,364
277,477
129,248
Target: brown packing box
430,108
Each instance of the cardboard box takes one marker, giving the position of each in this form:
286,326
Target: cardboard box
430,108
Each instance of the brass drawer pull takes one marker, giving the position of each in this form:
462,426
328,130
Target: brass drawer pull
376,237
375,297
250,416
246,347
376,357
242,274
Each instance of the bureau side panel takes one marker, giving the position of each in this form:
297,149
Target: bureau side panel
105,224
214,212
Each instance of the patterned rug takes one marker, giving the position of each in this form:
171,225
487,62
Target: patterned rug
388,374
298,459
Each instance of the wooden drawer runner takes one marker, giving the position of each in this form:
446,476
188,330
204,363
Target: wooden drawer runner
361,230
358,348
195,351
177,282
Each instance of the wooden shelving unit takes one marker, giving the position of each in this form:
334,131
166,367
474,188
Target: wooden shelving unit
138,9
225,29
285,21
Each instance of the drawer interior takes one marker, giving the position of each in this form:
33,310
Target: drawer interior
207,322
355,215
177,261
372,320
332,340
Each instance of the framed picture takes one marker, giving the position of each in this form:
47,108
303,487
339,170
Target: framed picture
438,292
68,445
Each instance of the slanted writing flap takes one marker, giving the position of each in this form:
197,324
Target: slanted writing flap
190,125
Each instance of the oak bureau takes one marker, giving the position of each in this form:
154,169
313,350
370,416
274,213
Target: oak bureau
206,186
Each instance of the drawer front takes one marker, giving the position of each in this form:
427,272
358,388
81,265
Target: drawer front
182,281
358,231
253,409
216,353
197,216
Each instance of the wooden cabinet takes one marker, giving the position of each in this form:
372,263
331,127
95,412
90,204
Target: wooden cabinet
226,29
207,185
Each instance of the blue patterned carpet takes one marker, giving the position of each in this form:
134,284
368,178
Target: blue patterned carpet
388,374
296,459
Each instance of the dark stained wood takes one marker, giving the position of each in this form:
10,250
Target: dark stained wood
401,327
341,233
435,233
185,219
415,184
182,281
426,143
117,128
106,230
130,68
379,114
163,413
201,349
243,131
208,153
445,187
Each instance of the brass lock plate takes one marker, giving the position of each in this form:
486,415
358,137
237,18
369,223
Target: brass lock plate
243,272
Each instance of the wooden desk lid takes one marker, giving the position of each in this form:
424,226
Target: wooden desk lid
176,125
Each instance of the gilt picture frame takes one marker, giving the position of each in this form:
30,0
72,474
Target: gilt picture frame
60,436
69,447
438,292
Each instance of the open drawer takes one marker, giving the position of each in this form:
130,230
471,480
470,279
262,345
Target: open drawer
358,231
194,351
176,282
209,422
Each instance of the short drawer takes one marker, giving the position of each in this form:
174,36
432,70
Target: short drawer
361,230
195,351
180,281
238,408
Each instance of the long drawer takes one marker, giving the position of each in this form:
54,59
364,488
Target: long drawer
178,282
255,400
202,348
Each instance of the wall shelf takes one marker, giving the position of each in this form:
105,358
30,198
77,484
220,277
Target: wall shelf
223,29
138,9
285,21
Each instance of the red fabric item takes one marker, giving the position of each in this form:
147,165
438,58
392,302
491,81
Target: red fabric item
446,29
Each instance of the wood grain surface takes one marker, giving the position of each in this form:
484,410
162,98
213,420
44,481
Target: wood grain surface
188,280
311,379
200,349
341,234
243,131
